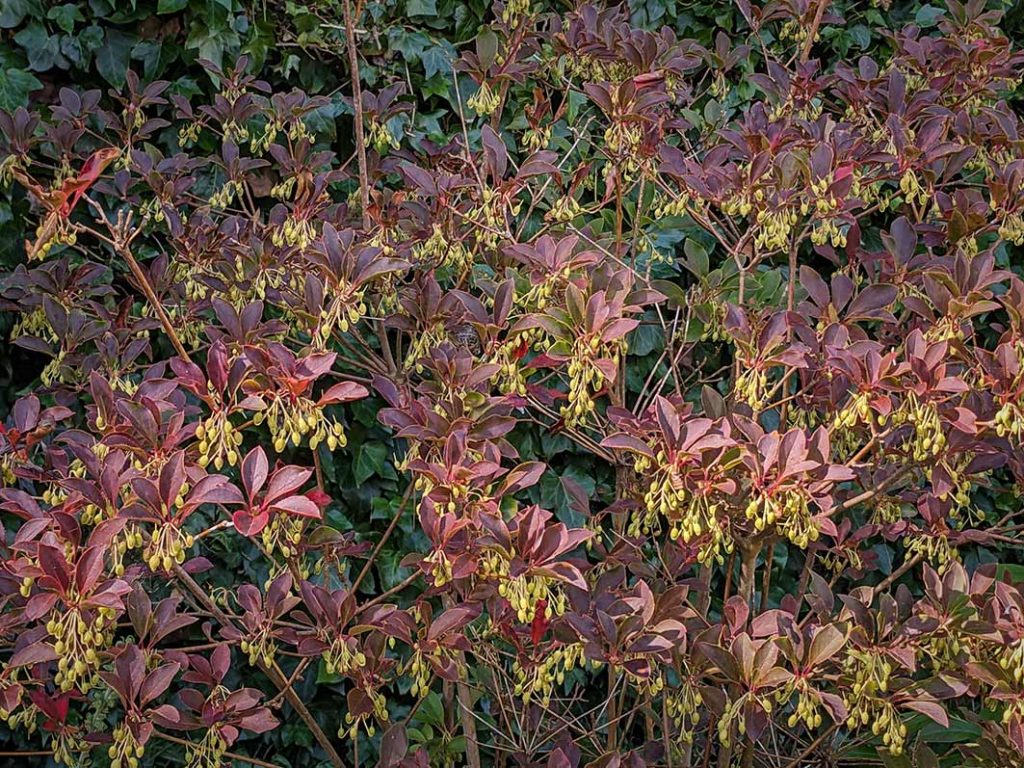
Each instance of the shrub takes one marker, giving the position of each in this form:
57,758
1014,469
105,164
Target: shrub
671,410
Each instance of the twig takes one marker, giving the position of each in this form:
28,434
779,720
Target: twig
226,755
357,105
813,31
888,580
465,705
122,245
383,539
814,745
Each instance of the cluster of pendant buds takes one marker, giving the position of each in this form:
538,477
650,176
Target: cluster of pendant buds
25,715
78,638
381,138
538,296
440,251
166,547
585,378
751,387
828,231
886,511
565,209
209,752
536,139
794,30
683,705
774,228
945,650
510,379
261,142
588,68
692,516
1012,710
70,749
789,511
649,684
62,235
297,230
125,751
866,703
128,539
912,189
295,418
886,722
440,567
420,672
493,565
283,533
524,593
188,133
342,313
485,101
927,439
380,711
808,703
734,713
1010,421
421,344
856,411
1011,228
34,323
223,197
537,681
622,137
56,494
959,493
489,215
675,206
1012,659
623,141
935,547
218,441
514,10
260,645
343,656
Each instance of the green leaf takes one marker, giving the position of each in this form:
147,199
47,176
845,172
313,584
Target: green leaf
555,497
112,59
421,7
79,48
487,47
41,48
860,35
928,15
65,16
148,52
431,711
13,12
170,6
370,459
645,339
437,59
697,260
15,86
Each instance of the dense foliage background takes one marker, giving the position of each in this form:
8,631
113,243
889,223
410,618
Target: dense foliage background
765,255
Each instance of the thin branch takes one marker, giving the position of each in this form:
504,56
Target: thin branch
813,31
226,755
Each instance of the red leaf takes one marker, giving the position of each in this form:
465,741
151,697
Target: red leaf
249,525
302,506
